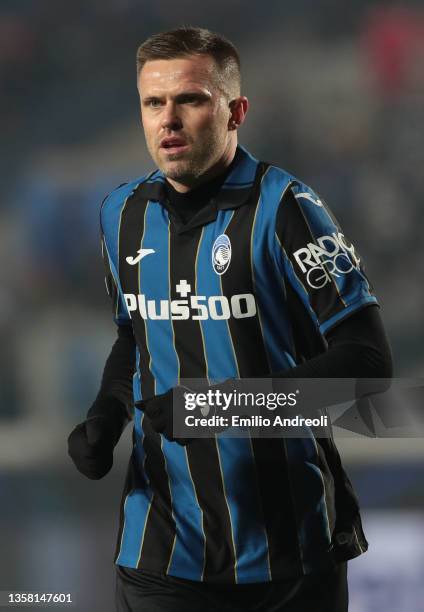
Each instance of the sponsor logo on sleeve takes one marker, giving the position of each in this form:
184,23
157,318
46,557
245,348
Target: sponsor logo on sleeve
328,258
308,196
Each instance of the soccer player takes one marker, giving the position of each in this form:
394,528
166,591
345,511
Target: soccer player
221,266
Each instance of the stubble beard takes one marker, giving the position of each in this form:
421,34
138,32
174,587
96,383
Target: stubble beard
189,167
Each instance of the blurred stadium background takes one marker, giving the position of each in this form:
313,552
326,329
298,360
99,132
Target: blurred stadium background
336,92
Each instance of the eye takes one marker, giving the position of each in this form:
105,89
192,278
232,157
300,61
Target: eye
190,100
193,99
152,103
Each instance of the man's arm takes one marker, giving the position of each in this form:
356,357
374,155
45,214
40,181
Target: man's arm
357,348
115,397
91,443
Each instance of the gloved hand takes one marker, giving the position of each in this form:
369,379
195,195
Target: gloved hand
91,443
159,409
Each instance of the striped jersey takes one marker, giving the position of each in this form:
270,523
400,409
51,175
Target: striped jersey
248,286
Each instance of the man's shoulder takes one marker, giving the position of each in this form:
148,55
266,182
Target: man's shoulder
117,197
113,204
279,177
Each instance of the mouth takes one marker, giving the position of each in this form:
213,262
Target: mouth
173,145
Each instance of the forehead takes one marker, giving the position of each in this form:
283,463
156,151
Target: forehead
168,75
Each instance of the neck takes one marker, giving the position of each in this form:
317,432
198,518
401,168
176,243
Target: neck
215,170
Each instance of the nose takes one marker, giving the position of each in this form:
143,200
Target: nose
170,119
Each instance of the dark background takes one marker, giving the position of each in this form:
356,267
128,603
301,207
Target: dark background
336,92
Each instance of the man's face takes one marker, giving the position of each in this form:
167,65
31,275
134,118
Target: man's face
185,115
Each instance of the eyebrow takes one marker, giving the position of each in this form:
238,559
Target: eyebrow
180,96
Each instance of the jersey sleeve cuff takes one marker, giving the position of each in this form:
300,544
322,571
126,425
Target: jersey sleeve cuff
353,307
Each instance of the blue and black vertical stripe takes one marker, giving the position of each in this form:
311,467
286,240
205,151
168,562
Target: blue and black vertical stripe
228,510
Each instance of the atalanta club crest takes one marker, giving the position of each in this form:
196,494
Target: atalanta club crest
221,254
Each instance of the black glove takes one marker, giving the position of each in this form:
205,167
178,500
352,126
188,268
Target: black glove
91,443
159,410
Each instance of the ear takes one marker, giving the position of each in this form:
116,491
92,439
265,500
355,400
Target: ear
238,108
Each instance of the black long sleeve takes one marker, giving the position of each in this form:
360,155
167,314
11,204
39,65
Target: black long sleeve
119,368
357,348
115,397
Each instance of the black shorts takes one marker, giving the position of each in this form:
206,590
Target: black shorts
144,591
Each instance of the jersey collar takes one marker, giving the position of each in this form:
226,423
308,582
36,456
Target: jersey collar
233,193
